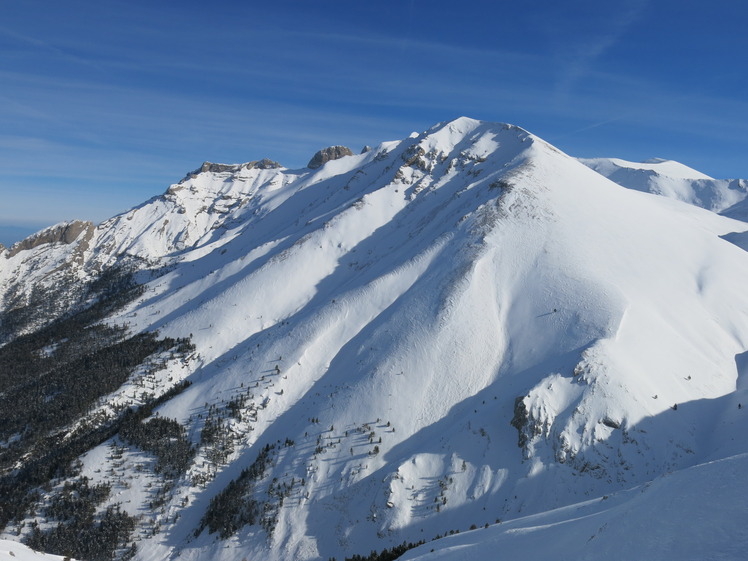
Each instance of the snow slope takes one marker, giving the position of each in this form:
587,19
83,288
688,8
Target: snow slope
692,514
19,552
674,180
462,326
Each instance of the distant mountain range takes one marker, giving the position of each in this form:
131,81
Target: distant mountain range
464,329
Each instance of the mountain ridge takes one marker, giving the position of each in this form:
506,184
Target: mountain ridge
673,180
466,324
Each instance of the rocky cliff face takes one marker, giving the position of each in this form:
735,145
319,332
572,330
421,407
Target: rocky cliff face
327,154
209,167
78,232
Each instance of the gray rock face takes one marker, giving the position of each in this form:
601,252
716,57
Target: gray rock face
265,163
327,154
65,233
217,168
211,167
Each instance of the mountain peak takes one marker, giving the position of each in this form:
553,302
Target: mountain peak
466,125
463,124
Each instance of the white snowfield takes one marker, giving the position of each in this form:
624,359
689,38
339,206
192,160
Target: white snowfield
457,328
10,550
692,514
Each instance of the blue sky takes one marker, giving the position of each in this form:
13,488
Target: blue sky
104,104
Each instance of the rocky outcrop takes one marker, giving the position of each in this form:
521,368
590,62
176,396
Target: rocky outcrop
211,167
65,233
521,422
265,163
327,154
217,168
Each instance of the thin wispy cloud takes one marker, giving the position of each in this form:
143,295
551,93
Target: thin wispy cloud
45,46
580,54
592,126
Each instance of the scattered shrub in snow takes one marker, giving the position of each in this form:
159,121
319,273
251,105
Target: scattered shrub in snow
386,554
233,508
79,532
84,537
76,497
165,438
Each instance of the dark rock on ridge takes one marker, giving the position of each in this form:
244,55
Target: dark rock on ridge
327,154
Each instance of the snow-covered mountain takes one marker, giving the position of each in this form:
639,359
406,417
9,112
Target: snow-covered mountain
462,327
674,180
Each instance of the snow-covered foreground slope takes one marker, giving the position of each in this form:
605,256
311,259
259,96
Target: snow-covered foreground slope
463,326
692,514
674,180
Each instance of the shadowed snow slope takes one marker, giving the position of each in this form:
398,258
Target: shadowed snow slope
692,514
461,326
